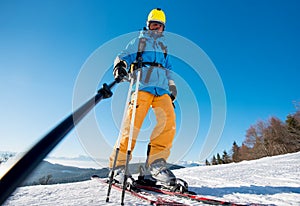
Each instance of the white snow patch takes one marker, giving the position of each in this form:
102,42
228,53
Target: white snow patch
270,180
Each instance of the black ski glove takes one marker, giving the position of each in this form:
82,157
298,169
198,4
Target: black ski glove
120,71
173,90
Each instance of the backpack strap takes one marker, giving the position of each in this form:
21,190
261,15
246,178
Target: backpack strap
164,48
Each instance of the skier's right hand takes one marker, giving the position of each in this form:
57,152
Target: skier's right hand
120,71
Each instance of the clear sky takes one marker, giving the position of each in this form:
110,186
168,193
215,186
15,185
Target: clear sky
254,46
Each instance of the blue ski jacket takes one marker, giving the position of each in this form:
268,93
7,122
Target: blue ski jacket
154,79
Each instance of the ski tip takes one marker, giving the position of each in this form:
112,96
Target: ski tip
94,176
191,192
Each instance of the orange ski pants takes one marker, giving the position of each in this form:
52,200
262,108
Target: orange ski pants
162,135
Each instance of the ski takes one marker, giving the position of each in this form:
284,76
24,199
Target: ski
189,196
142,194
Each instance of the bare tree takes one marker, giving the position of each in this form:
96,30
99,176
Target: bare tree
269,138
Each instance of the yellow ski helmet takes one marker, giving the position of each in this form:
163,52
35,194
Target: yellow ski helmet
156,15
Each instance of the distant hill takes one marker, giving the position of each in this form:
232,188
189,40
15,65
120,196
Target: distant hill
48,173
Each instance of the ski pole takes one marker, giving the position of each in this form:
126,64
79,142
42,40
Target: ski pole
31,159
119,140
130,135
148,154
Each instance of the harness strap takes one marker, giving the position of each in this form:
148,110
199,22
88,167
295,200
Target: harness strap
164,48
139,59
146,64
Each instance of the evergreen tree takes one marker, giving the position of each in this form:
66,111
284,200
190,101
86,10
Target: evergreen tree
235,152
292,124
225,157
293,128
214,160
207,162
45,180
5,156
219,160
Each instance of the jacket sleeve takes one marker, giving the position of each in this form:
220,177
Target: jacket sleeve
169,67
170,77
128,54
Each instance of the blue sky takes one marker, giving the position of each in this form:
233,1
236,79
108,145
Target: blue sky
254,46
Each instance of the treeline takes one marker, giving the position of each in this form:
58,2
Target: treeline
270,138
4,156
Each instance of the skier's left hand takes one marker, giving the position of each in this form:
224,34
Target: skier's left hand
173,91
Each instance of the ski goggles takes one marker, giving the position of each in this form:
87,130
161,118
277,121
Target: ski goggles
154,25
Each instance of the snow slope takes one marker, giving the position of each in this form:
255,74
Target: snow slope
271,181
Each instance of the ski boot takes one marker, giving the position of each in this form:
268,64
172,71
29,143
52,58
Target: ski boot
159,171
145,177
158,175
118,178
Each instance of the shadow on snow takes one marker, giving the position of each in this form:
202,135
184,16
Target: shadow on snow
252,189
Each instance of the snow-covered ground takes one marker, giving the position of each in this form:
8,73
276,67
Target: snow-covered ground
271,181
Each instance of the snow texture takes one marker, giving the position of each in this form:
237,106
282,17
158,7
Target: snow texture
268,181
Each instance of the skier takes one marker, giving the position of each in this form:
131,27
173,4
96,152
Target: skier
157,90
